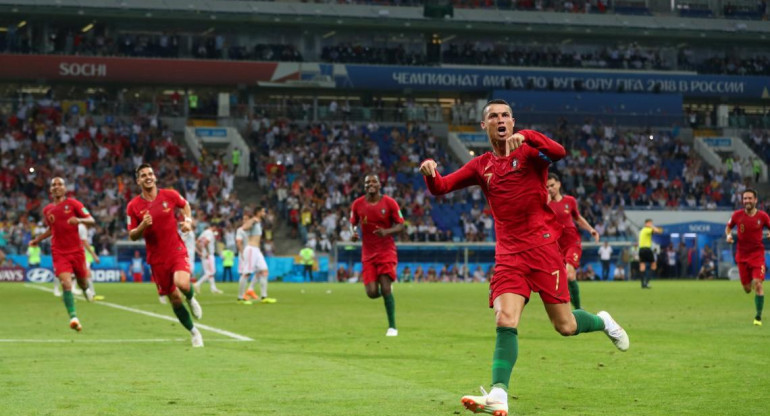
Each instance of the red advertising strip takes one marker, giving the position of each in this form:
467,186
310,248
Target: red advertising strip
136,70
11,274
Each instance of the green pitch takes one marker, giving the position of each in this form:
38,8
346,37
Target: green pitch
694,351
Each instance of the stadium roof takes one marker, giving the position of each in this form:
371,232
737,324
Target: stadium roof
241,15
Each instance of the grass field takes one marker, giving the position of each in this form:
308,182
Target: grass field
321,350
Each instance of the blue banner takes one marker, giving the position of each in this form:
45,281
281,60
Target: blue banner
485,79
698,227
721,142
210,132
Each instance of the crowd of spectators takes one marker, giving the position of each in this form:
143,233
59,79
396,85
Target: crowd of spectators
309,174
313,173
39,141
103,42
759,141
630,56
609,169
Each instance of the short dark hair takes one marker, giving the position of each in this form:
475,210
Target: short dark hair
752,190
495,101
553,176
140,167
648,220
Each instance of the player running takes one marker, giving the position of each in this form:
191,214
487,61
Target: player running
566,209
151,215
750,253
63,215
380,218
527,257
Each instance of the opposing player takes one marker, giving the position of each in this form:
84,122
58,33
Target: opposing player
750,253
241,238
566,209
62,216
252,263
206,246
527,258
646,256
91,257
151,215
379,217
188,238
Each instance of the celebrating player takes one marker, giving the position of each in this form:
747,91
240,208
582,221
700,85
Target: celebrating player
206,246
527,258
63,216
750,253
566,210
380,217
151,215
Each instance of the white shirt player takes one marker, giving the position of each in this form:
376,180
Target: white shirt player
210,245
189,242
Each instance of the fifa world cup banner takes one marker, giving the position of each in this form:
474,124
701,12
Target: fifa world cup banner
11,274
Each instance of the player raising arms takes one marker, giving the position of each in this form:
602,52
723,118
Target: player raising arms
566,210
750,253
380,217
527,257
151,215
63,216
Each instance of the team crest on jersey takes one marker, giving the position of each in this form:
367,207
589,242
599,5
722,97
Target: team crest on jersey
515,163
165,206
741,228
51,219
566,207
66,208
382,211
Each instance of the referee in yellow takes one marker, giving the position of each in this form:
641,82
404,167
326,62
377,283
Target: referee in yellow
645,251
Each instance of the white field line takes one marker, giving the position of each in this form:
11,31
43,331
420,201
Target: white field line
154,315
106,341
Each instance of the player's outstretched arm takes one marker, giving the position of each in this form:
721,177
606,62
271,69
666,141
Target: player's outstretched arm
438,185
583,223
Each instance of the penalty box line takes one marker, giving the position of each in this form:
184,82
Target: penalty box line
155,315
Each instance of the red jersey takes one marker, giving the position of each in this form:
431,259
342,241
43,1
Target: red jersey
750,247
65,238
161,238
382,214
515,189
566,211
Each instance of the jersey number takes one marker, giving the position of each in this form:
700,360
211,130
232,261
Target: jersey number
556,273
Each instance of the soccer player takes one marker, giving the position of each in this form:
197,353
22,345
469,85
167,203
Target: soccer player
62,216
151,215
566,209
379,217
240,241
527,257
206,246
750,253
646,256
91,257
252,261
